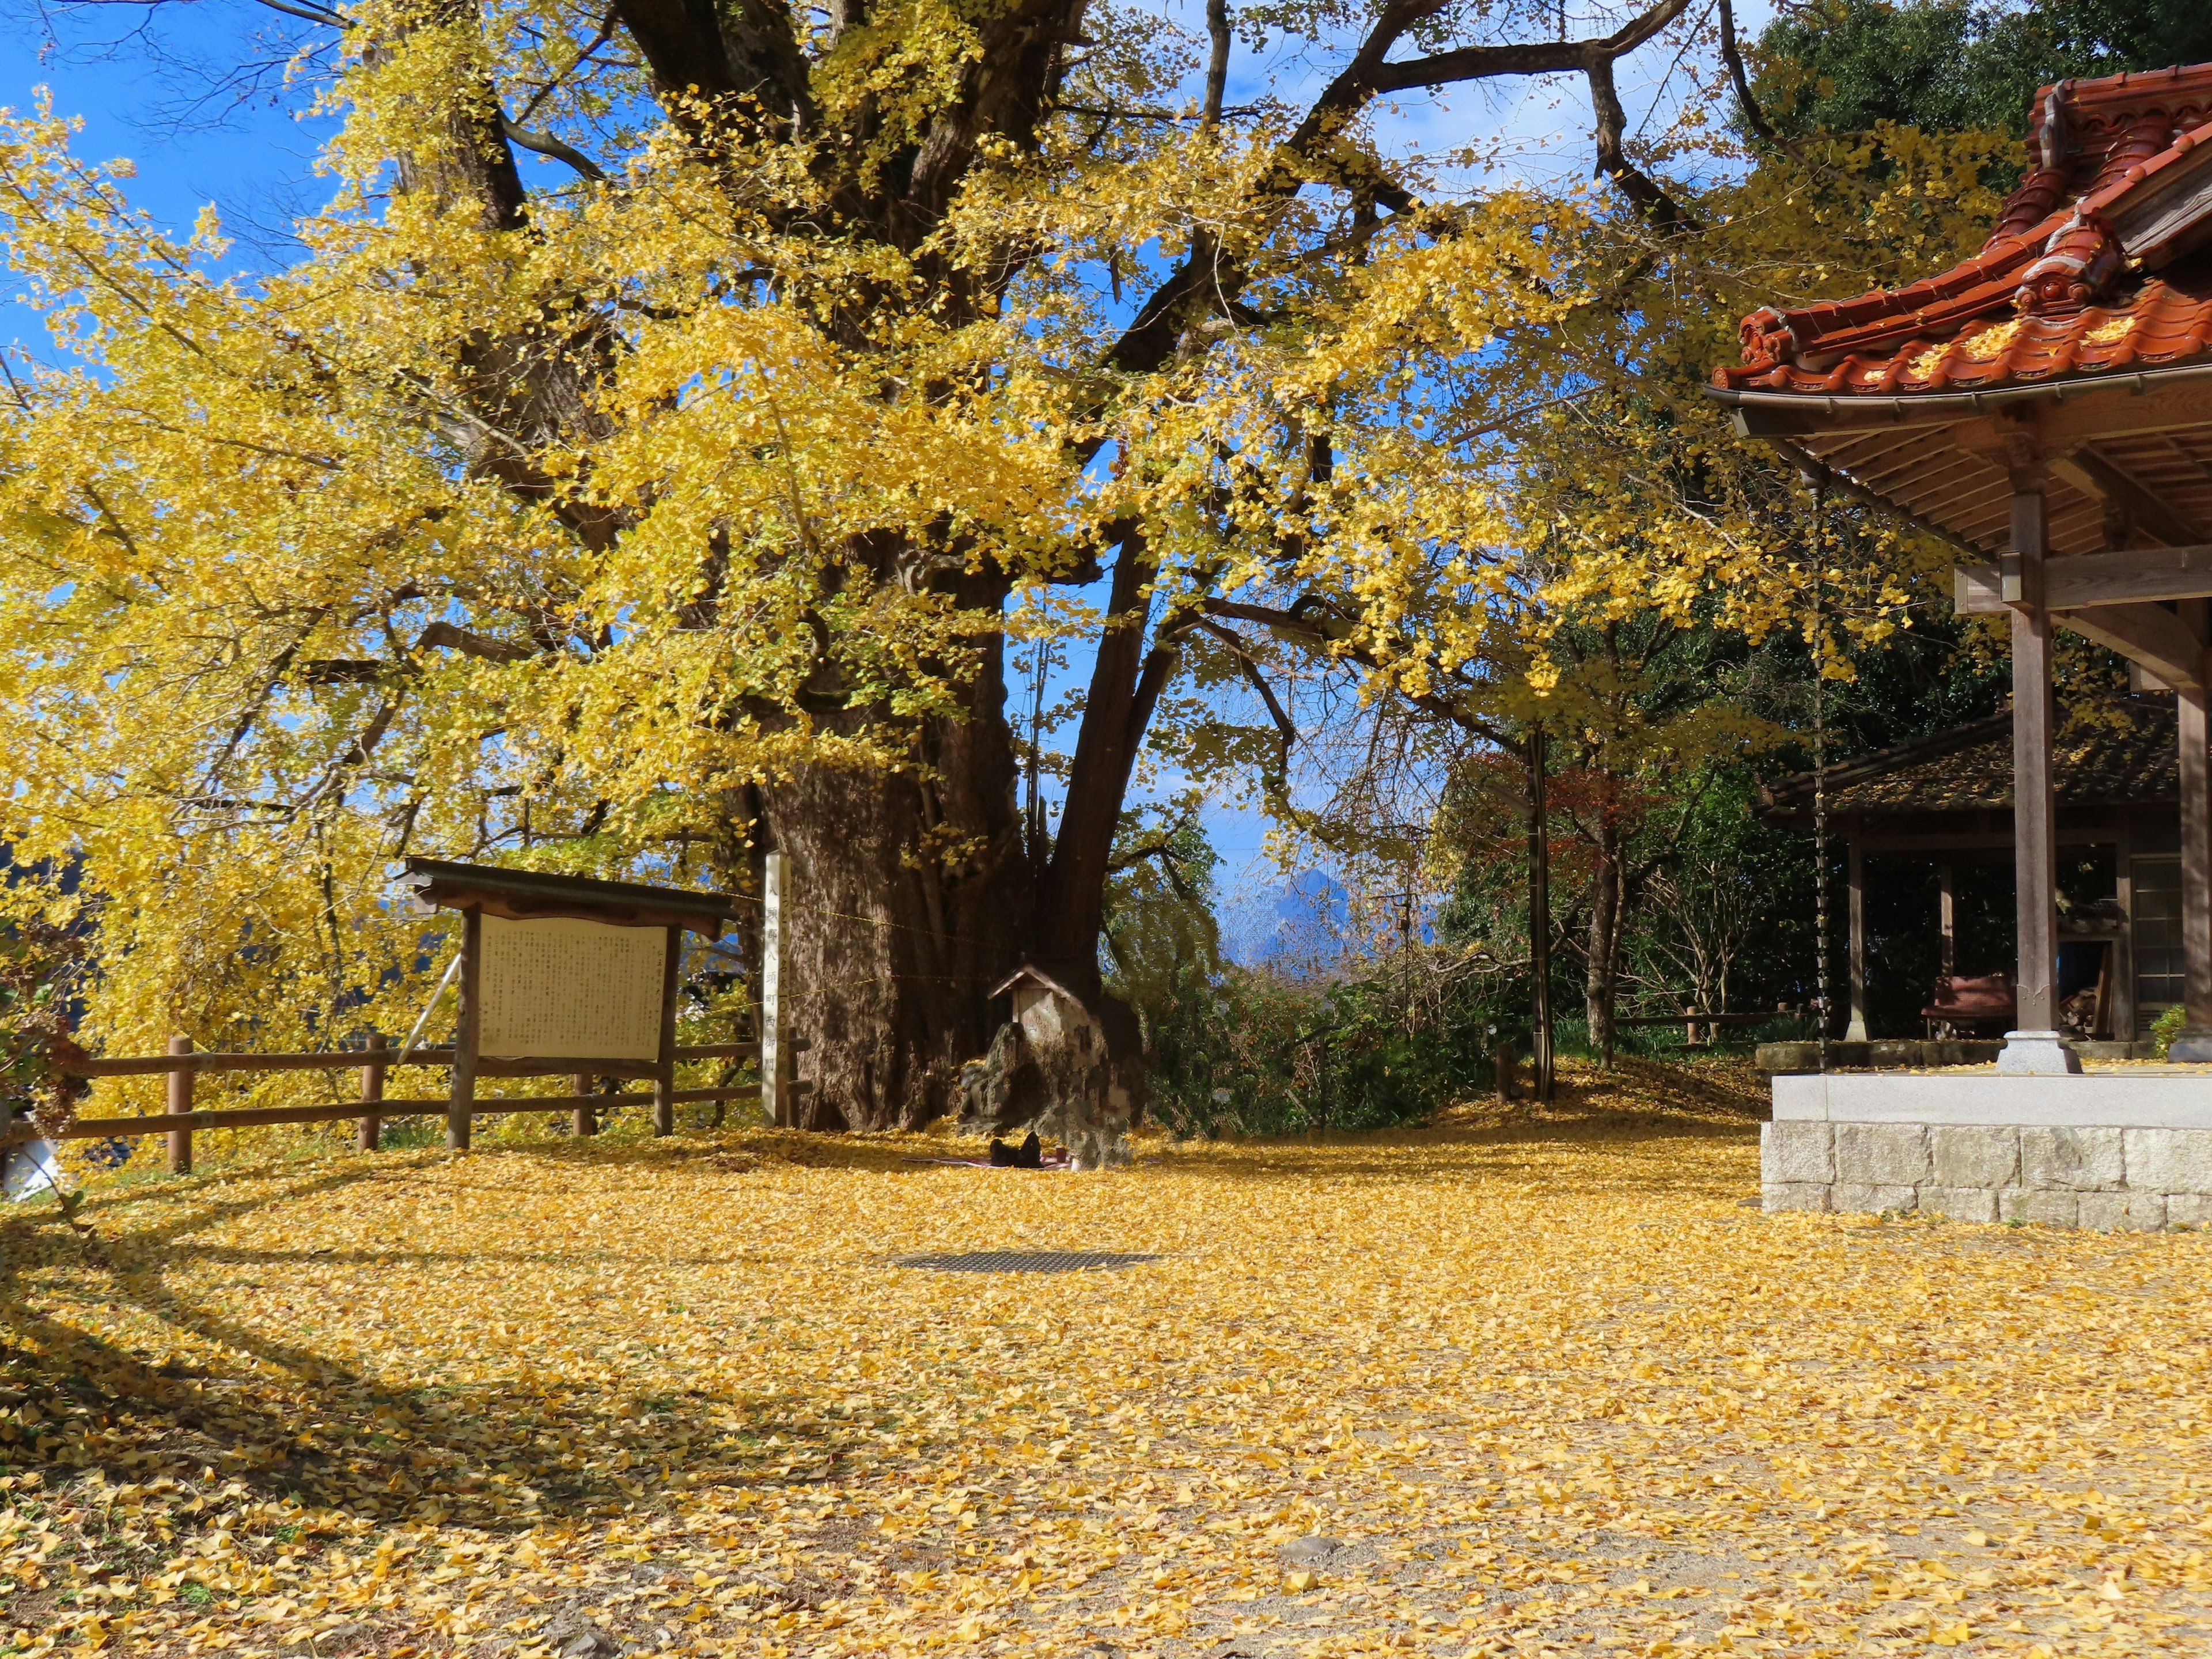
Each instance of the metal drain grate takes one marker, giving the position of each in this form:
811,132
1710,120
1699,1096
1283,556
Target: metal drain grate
1025,1262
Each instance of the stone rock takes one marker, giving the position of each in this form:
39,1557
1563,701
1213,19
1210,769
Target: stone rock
1793,1149
1315,1552
572,1636
2120,1213
1881,1155
2169,1160
2038,1054
2188,1210
1975,1155
2067,1158
1863,1198
1778,1197
1960,1203
2051,1209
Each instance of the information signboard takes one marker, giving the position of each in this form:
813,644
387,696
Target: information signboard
561,986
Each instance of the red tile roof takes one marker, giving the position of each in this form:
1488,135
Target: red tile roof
2094,265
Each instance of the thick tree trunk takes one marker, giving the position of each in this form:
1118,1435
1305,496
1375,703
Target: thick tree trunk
1124,685
909,901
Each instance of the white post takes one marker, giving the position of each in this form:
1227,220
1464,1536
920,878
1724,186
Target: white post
774,1094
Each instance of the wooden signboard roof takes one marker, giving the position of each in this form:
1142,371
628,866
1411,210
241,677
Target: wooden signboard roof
532,895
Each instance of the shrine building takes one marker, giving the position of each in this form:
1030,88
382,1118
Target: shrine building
2045,407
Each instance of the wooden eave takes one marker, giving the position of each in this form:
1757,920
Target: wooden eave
536,896
1937,457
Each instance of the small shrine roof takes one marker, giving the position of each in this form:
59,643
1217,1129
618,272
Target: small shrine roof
2098,265
2100,756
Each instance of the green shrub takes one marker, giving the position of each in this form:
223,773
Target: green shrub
2165,1028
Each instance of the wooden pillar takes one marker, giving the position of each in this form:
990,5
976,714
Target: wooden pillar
2123,886
1946,902
2035,1046
372,1093
664,1065
460,1103
180,1100
1855,857
2195,1041
775,1096
584,1120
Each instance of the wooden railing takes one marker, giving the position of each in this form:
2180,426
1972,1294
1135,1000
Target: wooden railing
463,1059
184,1063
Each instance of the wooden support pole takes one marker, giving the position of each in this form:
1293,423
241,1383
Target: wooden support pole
1855,867
663,1073
460,1103
1948,909
775,1055
372,1093
2123,887
2195,1041
1542,1062
585,1120
180,1100
2035,1046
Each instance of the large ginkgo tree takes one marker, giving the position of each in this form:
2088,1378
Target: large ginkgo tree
678,414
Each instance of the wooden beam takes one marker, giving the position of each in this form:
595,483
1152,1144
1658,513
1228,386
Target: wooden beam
2120,410
1856,865
2144,634
1946,917
664,1066
180,1106
468,1017
370,1131
2035,850
2152,513
2137,574
2191,734
2061,416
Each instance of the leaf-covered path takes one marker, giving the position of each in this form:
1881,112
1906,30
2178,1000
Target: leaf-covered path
1499,1386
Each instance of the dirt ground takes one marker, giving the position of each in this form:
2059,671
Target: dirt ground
1509,1384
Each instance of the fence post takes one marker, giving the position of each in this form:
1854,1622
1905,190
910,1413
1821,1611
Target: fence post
584,1120
372,1093
460,1103
180,1100
663,1069
776,1095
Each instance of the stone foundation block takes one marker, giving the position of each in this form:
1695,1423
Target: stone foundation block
1860,1197
1777,1196
2052,1209
2120,1213
1882,1155
2072,1159
1796,1150
2188,1210
1960,1203
1974,1154
2169,1160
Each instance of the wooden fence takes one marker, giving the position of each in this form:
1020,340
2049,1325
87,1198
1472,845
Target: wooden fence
775,1051
183,1064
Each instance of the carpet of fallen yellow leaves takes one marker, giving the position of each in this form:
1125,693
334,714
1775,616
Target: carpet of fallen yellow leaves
1507,1384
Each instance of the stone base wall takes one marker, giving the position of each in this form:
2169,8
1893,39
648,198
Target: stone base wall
2099,1176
